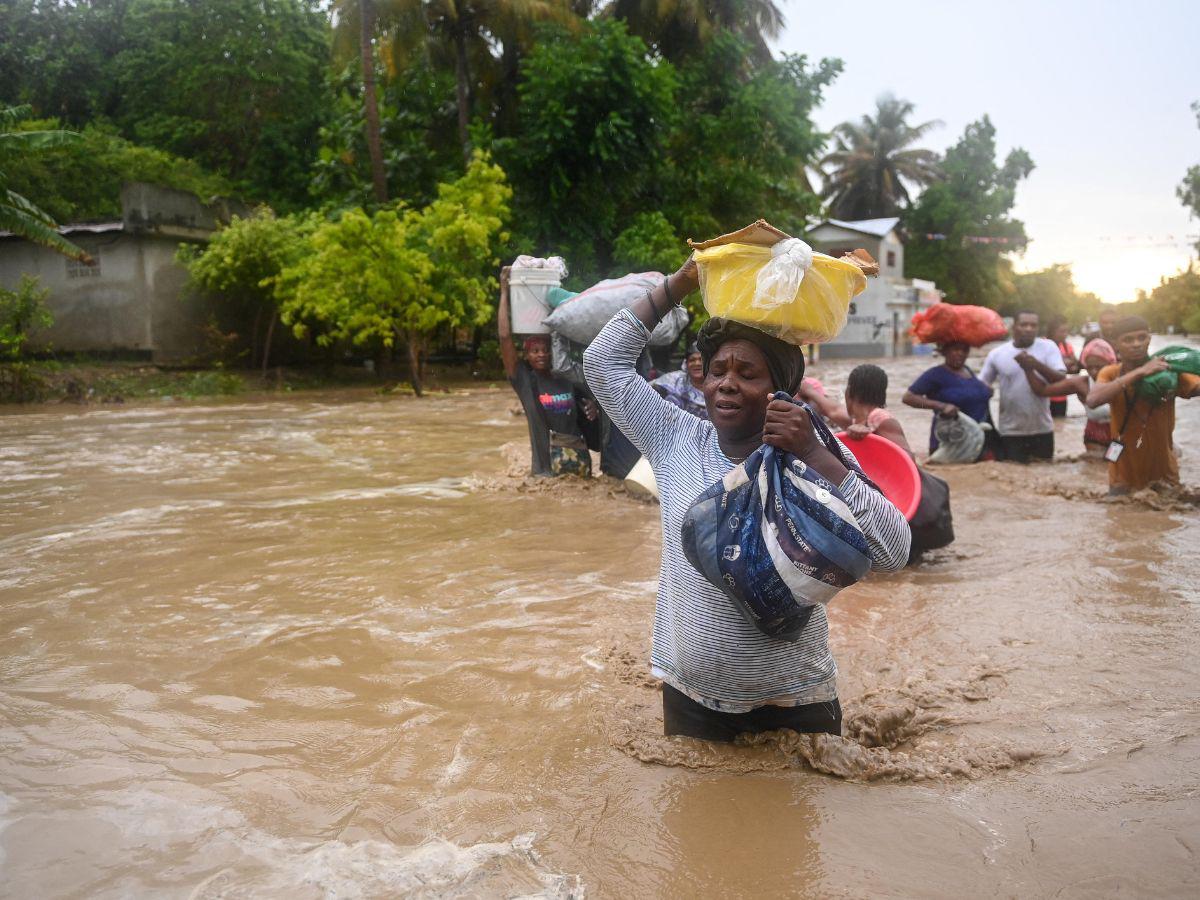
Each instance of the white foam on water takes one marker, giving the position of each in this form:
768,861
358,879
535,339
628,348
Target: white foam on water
255,863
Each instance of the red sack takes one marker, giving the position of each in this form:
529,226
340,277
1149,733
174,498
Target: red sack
945,323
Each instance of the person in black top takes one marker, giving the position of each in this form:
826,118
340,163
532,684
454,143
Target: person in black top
558,414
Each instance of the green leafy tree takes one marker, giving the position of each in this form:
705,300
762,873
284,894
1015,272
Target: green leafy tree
80,180
238,85
21,312
681,30
1174,303
18,214
459,36
418,134
740,142
873,162
402,274
595,117
56,56
242,261
1189,189
1050,292
960,229
649,244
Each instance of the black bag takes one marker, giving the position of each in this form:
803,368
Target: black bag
932,525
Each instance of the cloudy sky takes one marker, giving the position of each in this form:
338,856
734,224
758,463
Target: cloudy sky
1097,92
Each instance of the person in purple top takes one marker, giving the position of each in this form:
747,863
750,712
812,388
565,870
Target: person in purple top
951,387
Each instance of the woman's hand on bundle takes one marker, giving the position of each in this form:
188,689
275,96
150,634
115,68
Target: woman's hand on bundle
789,428
685,279
1152,366
948,411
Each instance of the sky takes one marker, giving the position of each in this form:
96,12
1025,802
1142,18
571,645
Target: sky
1098,92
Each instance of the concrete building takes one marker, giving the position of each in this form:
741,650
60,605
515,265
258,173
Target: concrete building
132,301
880,315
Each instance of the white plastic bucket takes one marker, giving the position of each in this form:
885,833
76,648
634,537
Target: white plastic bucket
527,289
640,480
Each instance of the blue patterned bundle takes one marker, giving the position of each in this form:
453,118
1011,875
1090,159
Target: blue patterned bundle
776,537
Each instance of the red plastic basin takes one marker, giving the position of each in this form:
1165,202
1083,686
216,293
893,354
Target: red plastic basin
889,467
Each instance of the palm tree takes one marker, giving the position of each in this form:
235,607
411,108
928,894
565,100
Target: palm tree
448,31
17,214
869,169
678,28
359,18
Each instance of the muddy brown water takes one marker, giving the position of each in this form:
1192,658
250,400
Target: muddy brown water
330,646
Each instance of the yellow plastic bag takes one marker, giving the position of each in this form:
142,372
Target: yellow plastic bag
751,284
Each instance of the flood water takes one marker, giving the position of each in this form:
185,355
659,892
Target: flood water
329,645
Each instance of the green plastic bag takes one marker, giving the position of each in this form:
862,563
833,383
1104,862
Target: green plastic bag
557,295
1161,385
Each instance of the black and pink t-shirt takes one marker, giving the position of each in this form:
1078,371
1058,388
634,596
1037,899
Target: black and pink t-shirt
551,404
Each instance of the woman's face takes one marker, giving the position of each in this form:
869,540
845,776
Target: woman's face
538,355
956,355
737,390
695,368
1094,364
1134,347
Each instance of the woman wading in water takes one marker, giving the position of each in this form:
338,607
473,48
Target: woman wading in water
721,676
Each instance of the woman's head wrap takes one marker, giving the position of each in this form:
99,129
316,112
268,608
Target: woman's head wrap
1101,348
785,361
1126,324
536,340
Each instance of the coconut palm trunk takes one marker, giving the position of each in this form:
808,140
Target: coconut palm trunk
370,104
462,76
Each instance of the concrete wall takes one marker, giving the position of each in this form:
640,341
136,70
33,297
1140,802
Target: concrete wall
132,302
888,250
879,317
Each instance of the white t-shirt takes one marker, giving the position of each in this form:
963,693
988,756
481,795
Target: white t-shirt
1022,412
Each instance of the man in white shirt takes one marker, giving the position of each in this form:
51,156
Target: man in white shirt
1025,426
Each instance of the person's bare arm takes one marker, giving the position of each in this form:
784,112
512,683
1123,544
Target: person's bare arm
828,407
920,401
1107,391
656,303
1029,363
508,352
1058,388
891,430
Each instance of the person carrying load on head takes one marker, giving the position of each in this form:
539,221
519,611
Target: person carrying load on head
1045,382
952,388
1142,451
557,412
723,676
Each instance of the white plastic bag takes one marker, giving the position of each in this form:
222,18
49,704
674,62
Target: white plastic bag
778,282
557,263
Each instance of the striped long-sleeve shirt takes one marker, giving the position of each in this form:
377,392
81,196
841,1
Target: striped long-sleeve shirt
702,645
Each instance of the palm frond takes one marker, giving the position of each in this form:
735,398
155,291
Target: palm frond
15,217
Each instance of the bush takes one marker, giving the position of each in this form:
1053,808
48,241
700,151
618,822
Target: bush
81,181
21,311
21,383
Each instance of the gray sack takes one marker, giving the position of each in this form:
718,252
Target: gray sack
960,440
581,318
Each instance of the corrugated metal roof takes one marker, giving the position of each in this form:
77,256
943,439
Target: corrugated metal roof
90,227
876,227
